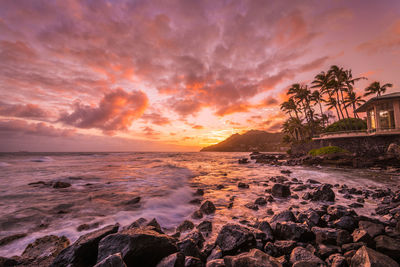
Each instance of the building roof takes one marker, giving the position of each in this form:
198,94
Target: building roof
364,107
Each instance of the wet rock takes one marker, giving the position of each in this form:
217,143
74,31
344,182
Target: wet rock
356,205
189,248
197,214
346,222
197,237
323,193
195,201
220,186
366,257
233,238
193,262
60,184
339,261
85,227
216,253
8,262
8,239
310,217
253,258
243,185
138,223
173,260
361,236
283,216
155,226
330,236
280,247
338,211
216,263
185,226
138,247
286,171
373,229
260,201
325,251
302,257
243,161
132,201
388,246
43,250
199,192
251,206
280,190
311,181
205,226
265,227
84,251
114,260
352,246
207,207
293,231
300,188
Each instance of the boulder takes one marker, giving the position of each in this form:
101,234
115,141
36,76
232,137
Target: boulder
339,261
8,262
85,250
197,214
189,248
361,236
233,238
154,225
207,207
373,229
133,201
253,258
323,193
366,257
216,263
331,236
114,260
283,216
216,253
265,227
293,231
280,247
197,236
310,217
60,184
243,185
304,257
260,201
205,226
346,222
138,223
43,250
280,190
8,239
185,226
325,251
251,206
388,246
337,211
193,262
138,247
173,260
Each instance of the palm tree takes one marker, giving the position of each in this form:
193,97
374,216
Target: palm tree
376,88
289,107
316,96
332,103
337,81
353,100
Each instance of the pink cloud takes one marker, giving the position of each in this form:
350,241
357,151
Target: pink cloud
18,127
23,110
116,111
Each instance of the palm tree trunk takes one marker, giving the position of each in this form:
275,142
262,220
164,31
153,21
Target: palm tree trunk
322,114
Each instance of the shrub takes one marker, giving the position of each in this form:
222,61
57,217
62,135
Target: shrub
350,124
327,150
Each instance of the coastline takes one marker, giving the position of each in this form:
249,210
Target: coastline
326,233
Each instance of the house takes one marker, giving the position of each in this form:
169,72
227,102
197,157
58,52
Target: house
383,118
383,114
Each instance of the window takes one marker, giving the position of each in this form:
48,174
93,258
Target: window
371,118
386,116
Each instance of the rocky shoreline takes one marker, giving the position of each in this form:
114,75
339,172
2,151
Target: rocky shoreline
329,235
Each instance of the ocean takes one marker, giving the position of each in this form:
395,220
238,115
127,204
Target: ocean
104,184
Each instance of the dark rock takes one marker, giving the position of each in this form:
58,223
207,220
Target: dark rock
185,226
195,201
243,161
253,258
114,260
205,226
280,247
84,251
193,262
293,231
283,216
361,236
60,184
207,207
310,217
251,206
280,190
138,223
325,251
196,236
173,260
216,253
346,222
300,188
197,214
43,250
155,226
388,246
311,181
233,238
199,192
8,262
265,227
366,257
8,239
352,246
356,205
133,201
189,248
260,201
216,263
373,229
330,236
305,257
243,185
339,261
338,211
220,186
138,247
85,227
323,193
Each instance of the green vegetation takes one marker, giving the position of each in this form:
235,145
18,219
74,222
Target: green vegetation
350,124
308,109
327,150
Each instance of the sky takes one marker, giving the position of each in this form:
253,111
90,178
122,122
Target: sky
178,75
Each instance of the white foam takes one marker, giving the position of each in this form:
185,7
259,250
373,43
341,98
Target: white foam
4,164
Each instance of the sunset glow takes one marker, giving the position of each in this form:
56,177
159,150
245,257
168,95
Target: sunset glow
150,76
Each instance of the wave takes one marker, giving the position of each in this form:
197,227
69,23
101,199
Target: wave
4,164
42,159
